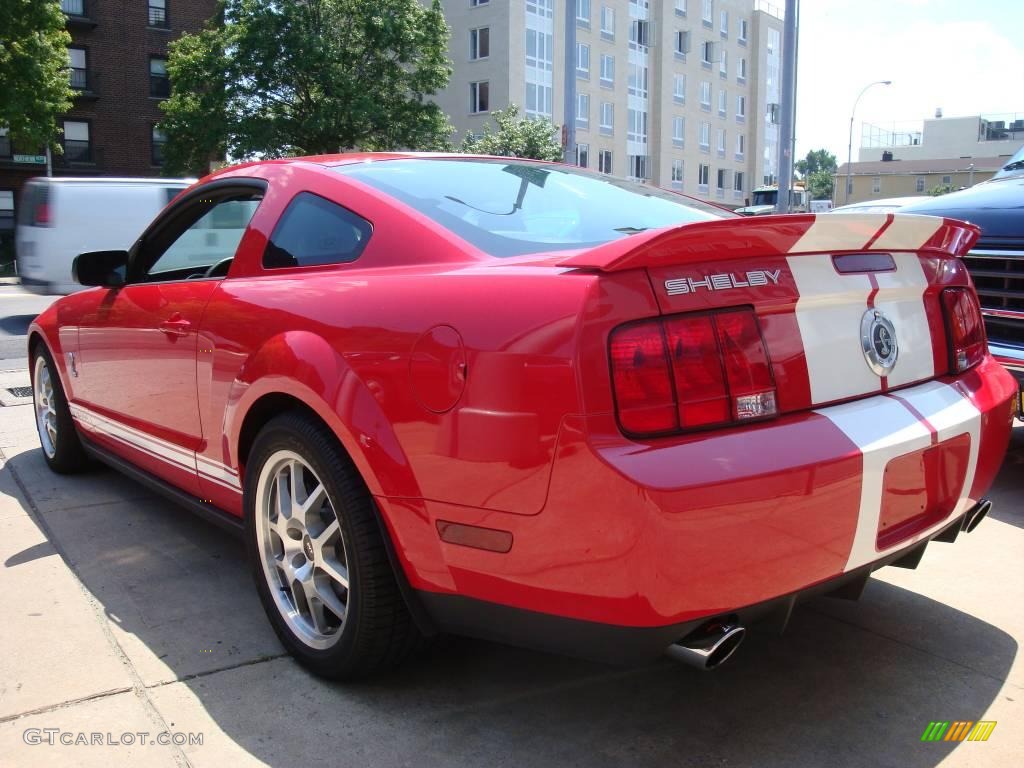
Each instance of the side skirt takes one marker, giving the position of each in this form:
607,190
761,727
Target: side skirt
208,512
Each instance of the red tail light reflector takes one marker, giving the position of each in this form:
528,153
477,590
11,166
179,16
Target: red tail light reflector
965,328
691,371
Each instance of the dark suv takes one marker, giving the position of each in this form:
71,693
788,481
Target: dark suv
997,261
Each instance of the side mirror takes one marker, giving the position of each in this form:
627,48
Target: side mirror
106,268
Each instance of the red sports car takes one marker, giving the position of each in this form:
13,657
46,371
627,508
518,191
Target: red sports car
528,402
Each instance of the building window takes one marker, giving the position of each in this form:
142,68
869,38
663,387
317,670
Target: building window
705,136
920,184
638,167
741,108
607,69
740,146
607,118
583,111
708,14
677,173
741,70
607,21
720,180
6,210
5,142
78,69
476,3
737,181
77,146
583,155
678,130
705,95
479,43
742,36
723,25
637,127
679,88
640,33
157,141
723,65
539,58
721,142
876,184
707,53
947,179
583,14
604,161
582,60
682,42
703,177
681,7
479,97
158,13
159,82
73,7
723,97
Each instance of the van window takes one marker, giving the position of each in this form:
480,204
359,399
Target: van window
315,231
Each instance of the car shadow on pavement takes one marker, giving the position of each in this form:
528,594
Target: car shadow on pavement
846,685
16,325
1008,491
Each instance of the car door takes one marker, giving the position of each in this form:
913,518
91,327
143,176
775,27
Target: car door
136,387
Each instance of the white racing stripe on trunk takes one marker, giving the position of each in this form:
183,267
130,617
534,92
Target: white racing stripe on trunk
901,297
884,428
845,232
828,314
907,233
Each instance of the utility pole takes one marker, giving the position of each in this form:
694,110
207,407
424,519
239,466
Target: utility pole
569,109
788,87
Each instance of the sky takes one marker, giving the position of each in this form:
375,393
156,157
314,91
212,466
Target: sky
965,56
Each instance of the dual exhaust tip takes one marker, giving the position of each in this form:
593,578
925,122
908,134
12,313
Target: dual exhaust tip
714,642
710,645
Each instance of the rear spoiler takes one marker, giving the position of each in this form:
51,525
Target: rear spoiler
788,235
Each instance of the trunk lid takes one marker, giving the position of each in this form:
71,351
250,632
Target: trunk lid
834,294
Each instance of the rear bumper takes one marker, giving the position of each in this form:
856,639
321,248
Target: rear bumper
659,534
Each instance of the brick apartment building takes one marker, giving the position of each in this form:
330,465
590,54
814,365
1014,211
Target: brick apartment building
117,60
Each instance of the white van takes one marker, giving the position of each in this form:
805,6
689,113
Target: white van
59,218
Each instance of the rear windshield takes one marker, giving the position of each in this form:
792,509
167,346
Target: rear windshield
511,208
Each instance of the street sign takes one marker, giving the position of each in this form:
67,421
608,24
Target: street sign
33,159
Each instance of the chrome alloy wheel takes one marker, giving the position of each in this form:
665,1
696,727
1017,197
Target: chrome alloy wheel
301,549
46,411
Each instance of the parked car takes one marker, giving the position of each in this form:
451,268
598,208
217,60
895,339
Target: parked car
883,205
62,217
531,403
996,262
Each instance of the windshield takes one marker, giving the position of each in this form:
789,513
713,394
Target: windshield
766,198
511,208
1015,167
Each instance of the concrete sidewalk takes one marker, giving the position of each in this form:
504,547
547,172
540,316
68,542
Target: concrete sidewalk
124,614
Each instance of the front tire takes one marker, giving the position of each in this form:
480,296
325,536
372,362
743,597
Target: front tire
318,555
57,434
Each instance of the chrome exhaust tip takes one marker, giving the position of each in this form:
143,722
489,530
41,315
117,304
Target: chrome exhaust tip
976,514
709,646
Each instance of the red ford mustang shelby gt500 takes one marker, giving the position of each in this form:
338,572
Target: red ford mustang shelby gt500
530,403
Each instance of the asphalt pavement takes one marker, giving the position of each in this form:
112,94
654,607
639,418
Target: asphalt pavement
124,615
18,308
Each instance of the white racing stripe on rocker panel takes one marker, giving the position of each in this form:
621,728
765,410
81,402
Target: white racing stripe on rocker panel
883,428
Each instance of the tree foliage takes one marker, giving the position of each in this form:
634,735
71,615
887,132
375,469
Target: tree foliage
34,87
941,189
817,160
307,76
819,185
516,137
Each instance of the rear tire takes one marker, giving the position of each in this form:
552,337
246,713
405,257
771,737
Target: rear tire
318,555
58,436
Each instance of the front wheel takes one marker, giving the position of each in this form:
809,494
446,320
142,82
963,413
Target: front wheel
57,434
318,555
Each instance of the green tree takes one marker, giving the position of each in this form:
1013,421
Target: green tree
817,160
516,137
306,76
34,87
941,189
819,185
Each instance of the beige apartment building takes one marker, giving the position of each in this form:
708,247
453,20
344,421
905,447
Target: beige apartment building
683,94
880,179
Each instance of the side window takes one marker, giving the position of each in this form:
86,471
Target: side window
314,231
210,240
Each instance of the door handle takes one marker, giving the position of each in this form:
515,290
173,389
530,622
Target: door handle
175,326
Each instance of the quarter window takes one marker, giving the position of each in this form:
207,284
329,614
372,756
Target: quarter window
313,232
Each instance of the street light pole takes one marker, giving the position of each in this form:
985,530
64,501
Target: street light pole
849,146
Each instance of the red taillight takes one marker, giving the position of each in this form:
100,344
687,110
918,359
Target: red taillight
965,327
691,371
41,215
